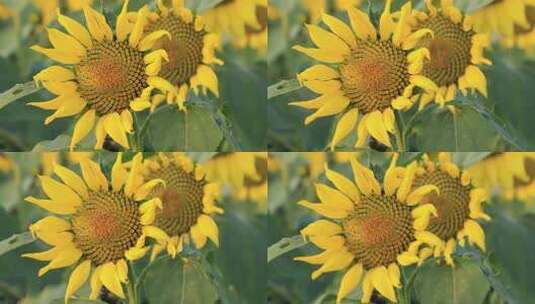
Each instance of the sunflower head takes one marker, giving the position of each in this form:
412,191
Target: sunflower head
367,71
512,174
458,205
491,18
372,229
190,50
188,202
455,51
98,224
106,75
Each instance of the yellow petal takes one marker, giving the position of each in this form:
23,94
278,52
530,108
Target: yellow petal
361,24
327,41
318,72
321,228
66,43
145,189
59,192
376,128
93,176
349,282
55,73
208,227
475,233
71,179
333,197
406,183
57,55
338,27
364,178
318,54
336,104
118,174
476,79
381,282
386,24
83,127
330,211
199,239
338,261
78,277
114,127
110,279
75,29
345,125
52,206
343,183
96,23
416,196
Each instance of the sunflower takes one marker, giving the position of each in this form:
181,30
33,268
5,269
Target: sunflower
190,50
234,17
188,202
455,51
100,225
256,38
458,204
106,73
374,72
373,230
245,173
502,16
524,35
513,174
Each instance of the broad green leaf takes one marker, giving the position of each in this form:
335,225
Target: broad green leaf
440,130
285,245
14,242
173,130
511,245
178,281
442,284
242,254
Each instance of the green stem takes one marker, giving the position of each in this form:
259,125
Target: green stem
222,122
400,142
137,142
132,294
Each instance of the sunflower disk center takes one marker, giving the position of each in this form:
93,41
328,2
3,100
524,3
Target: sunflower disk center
184,49
374,74
181,198
105,226
452,204
378,230
450,50
110,76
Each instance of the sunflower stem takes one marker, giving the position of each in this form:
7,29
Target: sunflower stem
137,140
400,142
132,295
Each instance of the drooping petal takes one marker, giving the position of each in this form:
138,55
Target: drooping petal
349,282
78,277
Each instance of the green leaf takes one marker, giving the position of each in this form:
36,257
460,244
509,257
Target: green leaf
173,130
178,281
241,257
15,241
511,245
441,284
285,245
60,143
283,87
440,130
